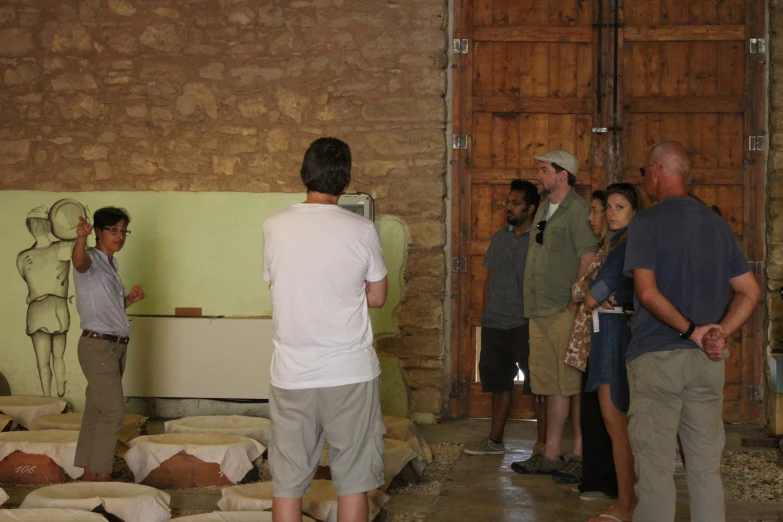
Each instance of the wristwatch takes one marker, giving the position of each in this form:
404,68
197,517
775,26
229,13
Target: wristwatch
687,333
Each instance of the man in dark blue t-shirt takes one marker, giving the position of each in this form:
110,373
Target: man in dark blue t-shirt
684,260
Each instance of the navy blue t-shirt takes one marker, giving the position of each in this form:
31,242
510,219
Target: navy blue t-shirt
505,261
693,253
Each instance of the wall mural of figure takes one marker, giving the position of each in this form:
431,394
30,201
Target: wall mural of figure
45,267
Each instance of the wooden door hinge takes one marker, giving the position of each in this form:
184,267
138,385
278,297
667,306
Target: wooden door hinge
459,387
757,45
756,267
756,143
755,394
459,141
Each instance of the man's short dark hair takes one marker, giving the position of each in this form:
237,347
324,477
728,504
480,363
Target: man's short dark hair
529,191
571,177
326,167
110,216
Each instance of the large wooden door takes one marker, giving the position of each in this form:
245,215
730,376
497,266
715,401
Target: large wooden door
605,81
687,75
528,89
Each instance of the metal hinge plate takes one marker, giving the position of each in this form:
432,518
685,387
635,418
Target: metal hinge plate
756,142
604,130
459,141
756,267
460,46
459,387
459,264
756,394
758,46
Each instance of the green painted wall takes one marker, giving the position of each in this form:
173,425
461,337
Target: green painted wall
393,389
186,250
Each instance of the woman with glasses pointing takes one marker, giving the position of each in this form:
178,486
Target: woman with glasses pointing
101,301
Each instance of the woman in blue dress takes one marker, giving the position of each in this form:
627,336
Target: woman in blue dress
610,296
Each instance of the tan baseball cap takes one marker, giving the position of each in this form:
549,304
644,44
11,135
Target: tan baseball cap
565,159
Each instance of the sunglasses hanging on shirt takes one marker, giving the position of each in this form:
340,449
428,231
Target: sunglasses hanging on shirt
540,235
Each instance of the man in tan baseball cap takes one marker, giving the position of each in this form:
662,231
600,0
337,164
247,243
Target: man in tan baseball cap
561,249
563,159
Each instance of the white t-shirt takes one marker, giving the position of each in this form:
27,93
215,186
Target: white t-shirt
552,209
318,258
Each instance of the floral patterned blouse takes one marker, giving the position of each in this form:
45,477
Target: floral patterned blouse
579,345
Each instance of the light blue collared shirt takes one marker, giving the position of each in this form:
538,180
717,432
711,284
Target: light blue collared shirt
100,296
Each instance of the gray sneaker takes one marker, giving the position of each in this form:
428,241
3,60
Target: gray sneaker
538,464
484,447
571,472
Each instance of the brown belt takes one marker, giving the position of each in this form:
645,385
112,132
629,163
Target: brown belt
105,337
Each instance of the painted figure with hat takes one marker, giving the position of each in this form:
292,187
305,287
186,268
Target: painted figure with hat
45,267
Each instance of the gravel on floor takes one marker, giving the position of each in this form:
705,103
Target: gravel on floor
753,476
407,517
120,471
444,456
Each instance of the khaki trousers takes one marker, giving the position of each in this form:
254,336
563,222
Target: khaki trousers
103,363
677,391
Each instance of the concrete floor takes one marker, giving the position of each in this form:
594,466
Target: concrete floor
485,489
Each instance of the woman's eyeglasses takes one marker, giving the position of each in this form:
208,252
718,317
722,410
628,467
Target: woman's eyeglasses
540,235
117,231
512,202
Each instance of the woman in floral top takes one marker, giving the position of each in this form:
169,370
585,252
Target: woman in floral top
599,480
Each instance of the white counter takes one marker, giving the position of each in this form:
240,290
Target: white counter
199,357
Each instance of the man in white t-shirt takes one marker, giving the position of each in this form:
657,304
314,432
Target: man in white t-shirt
326,268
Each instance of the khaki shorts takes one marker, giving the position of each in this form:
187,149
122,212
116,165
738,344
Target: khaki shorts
549,374
347,417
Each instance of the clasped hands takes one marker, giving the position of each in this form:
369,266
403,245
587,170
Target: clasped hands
711,338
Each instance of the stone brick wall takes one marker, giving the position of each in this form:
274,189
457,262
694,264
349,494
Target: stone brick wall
225,95
775,180
774,221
